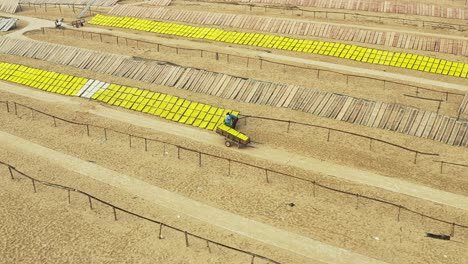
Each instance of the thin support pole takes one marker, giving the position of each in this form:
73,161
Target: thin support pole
208,246
146,144
328,136
357,200
399,213
314,189
7,107
90,203
160,231
87,130
16,109
130,141
55,122
266,175
178,152
11,173
199,159
115,213
415,157
289,125
452,233
370,143
186,239
253,259
105,134
69,197
34,185
441,167
229,167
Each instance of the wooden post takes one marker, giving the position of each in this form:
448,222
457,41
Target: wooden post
69,197
7,107
178,152
441,167
253,259
208,246
16,109
160,231
357,200
289,124
55,123
328,136
314,189
105,134
199,159
130,140
370,143
415,157
452,233
186,239
146,145
115,213
399,212
90,203
229,167
34,185
87,130
11,173
266,175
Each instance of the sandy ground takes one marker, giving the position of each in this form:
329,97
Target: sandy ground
35,222
210,188
43,227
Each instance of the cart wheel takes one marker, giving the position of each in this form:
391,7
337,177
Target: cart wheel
227,143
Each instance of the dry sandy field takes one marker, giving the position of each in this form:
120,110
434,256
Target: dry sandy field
87,182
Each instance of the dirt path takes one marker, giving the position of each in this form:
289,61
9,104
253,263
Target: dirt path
277,156
364,71
35,23
295,243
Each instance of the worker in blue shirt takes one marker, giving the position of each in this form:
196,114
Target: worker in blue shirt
230,120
